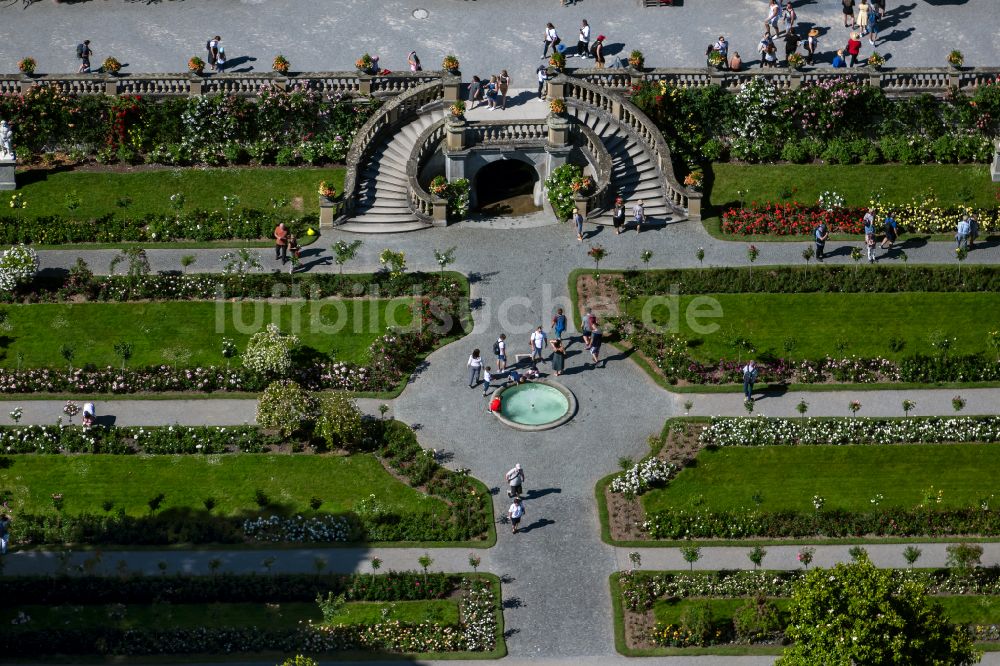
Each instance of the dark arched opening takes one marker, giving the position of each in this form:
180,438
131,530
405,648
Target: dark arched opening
506,187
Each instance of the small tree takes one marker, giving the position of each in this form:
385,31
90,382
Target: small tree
752,254
688,404
802,407
376,563
136,263
393,262
700,255
808,254
856,256
123,350
857,553
228,349
344,252
268,563
425,561
338,422
597,253
908,406
269,352
230,202
964,556
961,254
299,660
383,409
319,564
859,614
691,554
636,559
286,407
993,342
854,406
474,561
958,403
214,564
805,556
444,258
186,261
241,262
748,405
646,256
68,352
911,554
757,555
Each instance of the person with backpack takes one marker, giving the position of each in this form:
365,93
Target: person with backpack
822,233
589,324
597,52
750,374
551,39
788,16
500,351
891,232
212,46
559,324
83,54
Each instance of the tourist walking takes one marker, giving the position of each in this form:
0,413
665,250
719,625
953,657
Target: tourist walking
973,230
822,233
281,242
4,533
558,357
500,351
848,13
595,346
515,513
578,222
878,7
475,365
598,52
503,85
487,380
551,39
213,52
962,235
89,415
618,216
873,19
589,324
583,41
414,61
791,43
788,16
515,480
750,374
639,214
559,324
476,91
773,16
538,342
543,76
83,54
863,9
891,232
869,222
854,48
812,43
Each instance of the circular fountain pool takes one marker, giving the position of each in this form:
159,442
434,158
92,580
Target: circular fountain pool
537,405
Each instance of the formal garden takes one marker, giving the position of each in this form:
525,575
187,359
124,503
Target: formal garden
832,150
878,326
409,613
849,479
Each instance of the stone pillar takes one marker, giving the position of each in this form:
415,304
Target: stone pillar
454,165
954,78
328,209
694,206
455,139
25,84
111,87
364,84
440,211
995,168
195,87
555,157
557,87
795,80
8,170
452,88
558,130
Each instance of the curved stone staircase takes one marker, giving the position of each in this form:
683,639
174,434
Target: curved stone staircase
382,203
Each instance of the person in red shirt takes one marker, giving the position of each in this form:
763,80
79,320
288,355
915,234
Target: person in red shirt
854,48
281,242
495,404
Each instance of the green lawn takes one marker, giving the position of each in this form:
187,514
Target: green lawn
836,324
848,477
191,616
965,609
98,193
189,333
289,481
952,184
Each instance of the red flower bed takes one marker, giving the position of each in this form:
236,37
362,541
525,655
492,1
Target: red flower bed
790,219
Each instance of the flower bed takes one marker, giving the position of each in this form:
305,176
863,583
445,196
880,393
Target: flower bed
795,218
476,632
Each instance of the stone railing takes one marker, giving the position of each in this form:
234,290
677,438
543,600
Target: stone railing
505,133
894,81
587,139
425,205
395,112
248,85
630,117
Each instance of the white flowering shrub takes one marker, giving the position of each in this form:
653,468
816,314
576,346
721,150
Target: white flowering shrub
643,476
286,407
18,265
269,352
298,529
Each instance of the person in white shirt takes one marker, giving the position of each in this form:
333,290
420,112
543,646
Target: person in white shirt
475,365
543,76
551,39
515,513
583,43
538,343
639,214
487,380
515,477
500,351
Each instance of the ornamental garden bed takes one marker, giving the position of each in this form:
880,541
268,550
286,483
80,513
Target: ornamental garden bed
365,343
839,479
746,612
326,615
781,202
698,327
175,485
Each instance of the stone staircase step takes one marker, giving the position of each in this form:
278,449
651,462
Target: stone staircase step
359,225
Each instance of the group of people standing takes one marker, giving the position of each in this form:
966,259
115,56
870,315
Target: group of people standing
618,216
890,231
492,92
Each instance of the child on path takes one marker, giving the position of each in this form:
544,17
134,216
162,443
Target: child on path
487,381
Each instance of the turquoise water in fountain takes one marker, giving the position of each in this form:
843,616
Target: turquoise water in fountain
533,404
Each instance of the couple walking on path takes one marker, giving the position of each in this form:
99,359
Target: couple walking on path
515,481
